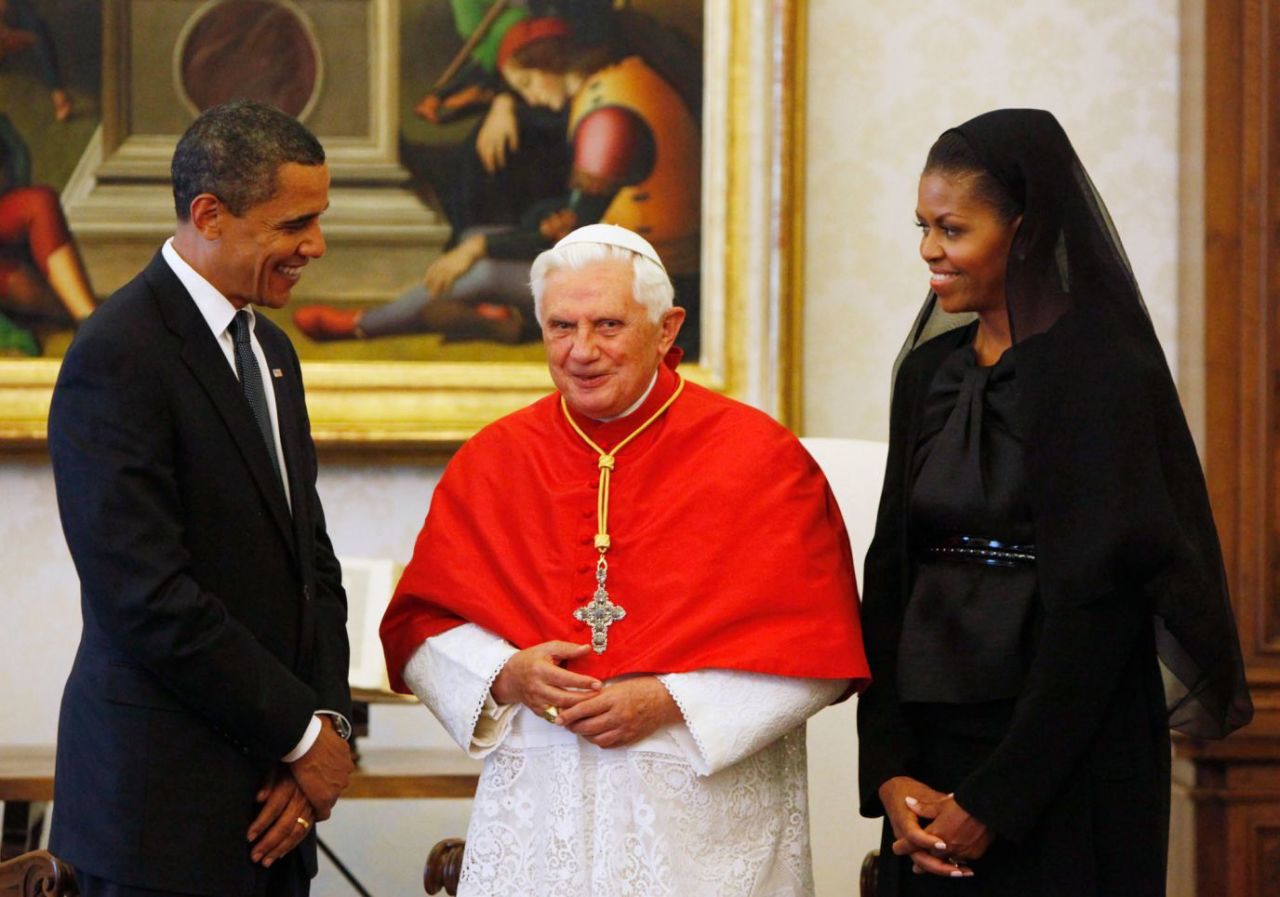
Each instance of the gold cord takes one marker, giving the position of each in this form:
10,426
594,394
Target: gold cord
607,463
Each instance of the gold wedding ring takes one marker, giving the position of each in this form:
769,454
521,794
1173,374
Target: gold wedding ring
551,714
302,822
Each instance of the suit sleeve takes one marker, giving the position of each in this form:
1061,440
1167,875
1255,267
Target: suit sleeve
112,444
333,653
886,745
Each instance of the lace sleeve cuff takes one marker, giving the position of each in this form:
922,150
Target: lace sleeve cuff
451,674
730,714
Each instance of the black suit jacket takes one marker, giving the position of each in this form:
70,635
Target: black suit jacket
214,615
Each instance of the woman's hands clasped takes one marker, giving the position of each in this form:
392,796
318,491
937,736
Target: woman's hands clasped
950,839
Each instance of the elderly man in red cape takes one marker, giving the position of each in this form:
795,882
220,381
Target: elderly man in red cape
628,597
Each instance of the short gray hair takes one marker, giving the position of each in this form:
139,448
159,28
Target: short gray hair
649,283
234,152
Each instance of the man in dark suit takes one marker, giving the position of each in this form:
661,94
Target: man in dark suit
204,722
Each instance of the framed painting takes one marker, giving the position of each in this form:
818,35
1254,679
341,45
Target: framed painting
441,135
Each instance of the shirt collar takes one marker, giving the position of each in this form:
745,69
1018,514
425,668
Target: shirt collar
215,308
638,402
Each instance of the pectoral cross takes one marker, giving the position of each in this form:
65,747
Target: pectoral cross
600,613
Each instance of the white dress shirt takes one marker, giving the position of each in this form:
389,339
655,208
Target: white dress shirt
217,311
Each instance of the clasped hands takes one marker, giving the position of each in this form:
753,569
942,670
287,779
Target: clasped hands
611,716
297,795
950,840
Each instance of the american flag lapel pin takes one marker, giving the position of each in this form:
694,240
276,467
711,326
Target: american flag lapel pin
277,373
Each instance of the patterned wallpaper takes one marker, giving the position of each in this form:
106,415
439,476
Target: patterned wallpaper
886,77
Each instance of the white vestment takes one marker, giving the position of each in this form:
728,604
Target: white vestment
714,807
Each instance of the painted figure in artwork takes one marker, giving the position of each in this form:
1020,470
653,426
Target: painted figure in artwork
42,280
636,154
21,30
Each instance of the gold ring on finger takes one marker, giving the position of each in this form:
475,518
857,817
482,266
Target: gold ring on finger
302,822
551,713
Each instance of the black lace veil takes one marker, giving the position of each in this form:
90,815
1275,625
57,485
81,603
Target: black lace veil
1118,495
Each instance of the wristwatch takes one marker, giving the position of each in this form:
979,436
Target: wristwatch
340,723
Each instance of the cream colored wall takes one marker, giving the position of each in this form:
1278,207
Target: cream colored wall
886,77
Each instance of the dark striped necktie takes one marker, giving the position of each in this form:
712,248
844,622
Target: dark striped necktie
251,382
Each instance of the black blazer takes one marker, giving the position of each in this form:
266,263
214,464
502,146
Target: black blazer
1080,778
214,615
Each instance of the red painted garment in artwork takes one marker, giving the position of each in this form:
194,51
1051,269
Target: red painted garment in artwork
32,226
728,549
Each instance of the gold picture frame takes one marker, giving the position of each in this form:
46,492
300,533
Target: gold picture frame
752,277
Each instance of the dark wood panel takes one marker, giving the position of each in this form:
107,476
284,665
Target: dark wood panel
1242,333
1234,786
1266,852
1269,190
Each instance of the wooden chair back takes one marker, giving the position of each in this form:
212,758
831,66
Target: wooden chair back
37,873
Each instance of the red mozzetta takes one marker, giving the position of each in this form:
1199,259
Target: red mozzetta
727,548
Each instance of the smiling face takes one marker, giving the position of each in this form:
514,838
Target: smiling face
260,254
965,242
537,87
602,348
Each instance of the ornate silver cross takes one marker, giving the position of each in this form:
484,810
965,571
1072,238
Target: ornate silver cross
600,613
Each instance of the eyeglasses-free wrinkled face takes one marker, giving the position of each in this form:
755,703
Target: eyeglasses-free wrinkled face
602,347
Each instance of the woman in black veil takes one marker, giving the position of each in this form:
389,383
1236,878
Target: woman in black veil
1044,595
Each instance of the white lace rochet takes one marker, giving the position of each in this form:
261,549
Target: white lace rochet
717,807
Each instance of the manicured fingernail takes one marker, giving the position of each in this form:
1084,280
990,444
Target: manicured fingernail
957,874
938,845
911,802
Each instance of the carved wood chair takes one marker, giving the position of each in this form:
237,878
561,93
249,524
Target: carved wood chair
444,864
870,874
37,873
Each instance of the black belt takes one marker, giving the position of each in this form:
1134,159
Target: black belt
975,550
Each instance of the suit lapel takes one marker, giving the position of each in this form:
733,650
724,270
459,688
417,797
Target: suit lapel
201,354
